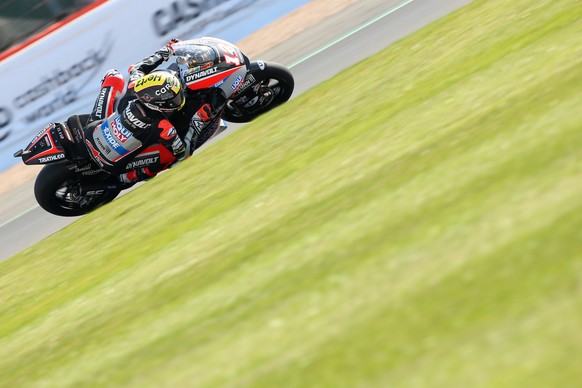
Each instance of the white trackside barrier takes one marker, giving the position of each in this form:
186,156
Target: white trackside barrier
60,74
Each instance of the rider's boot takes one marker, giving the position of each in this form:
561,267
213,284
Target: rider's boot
132,177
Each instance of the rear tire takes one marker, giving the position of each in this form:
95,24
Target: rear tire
57,190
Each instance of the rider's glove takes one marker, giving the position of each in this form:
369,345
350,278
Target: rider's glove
134,74
205,113
168,50
165,52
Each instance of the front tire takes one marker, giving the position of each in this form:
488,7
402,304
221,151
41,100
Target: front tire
276,87
58,191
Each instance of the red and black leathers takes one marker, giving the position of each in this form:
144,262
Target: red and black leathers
200,117
112,86
115,141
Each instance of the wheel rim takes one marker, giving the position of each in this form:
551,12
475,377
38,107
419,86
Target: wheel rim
69,197
270,89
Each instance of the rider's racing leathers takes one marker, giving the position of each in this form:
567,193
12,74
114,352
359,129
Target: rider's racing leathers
113,138
200,118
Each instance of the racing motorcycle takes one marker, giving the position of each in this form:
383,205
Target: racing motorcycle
72,184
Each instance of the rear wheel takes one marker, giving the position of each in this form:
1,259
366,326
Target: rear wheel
275,88
58,191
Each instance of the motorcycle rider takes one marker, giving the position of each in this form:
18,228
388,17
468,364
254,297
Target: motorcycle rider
202,116
198,117
112,138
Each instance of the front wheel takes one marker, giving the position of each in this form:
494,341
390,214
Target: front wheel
58,191
272,85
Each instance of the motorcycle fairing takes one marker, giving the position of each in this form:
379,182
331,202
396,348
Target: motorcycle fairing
229,81
113,141
210,63
155,157
248,93
47,146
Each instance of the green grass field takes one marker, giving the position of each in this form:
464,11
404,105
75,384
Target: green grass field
413,222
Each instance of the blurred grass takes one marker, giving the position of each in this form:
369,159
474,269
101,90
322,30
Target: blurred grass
415,221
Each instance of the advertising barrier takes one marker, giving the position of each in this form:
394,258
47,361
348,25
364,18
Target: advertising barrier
60,75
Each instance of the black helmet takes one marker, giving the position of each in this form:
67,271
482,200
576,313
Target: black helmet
161,91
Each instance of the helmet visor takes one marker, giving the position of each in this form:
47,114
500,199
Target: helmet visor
174,104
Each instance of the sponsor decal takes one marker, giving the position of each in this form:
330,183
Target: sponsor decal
77,135
119,131
194,69
84,168
91,61
174,87
87,170
218,84
133,119
180,12
59,131
242,100
112,142
177,145
109,137
204,73
62,100
95,192
51,158
237,83
142,162
98,109
150,80
103,147
261,65
248,82
91,172
191,17
52,91
5,118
